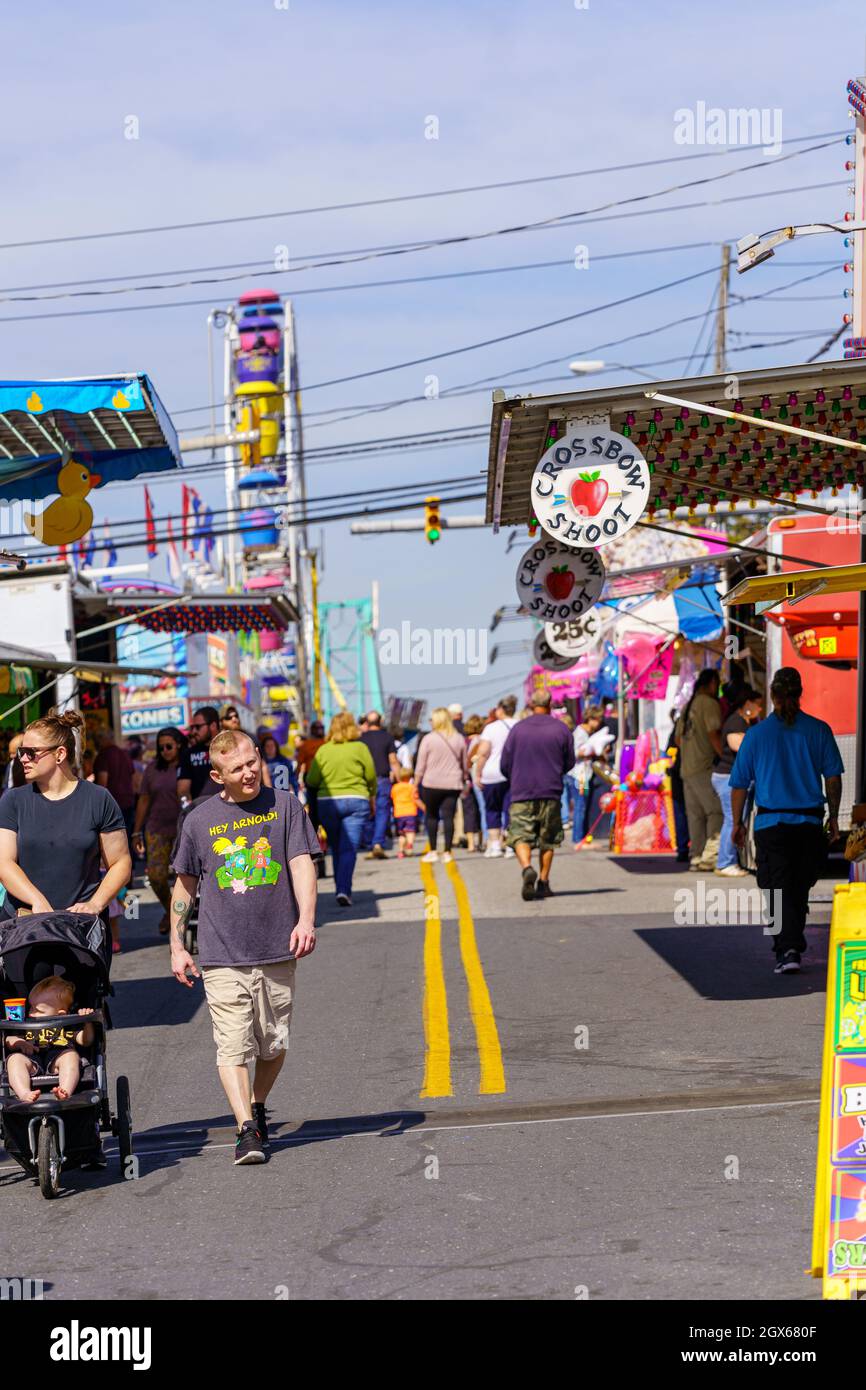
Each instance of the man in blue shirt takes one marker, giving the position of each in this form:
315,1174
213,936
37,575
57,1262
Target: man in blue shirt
791,758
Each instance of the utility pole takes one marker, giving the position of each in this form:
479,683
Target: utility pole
296,497
722,311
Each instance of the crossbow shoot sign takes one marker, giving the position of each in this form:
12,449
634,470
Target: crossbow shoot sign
558,583
590,487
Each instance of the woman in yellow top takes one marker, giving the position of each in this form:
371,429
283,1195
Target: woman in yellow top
343,780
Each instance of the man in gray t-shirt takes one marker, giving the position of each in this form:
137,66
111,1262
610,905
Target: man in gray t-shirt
250,851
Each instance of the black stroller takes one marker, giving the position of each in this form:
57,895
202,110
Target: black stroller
48,1134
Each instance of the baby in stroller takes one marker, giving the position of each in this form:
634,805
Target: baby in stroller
52,1049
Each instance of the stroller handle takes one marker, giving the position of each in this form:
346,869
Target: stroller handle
50,1021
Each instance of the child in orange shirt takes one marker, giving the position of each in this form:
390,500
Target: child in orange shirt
406,803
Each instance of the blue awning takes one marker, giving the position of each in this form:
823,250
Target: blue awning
699,611
115,425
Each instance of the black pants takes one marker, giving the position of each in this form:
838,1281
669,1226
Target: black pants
791,859
439,801
471,813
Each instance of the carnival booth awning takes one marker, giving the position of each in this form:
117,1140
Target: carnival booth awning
693,456
793,586
207,612
116,426
81,668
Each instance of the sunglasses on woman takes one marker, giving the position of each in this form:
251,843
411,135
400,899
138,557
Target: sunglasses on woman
166,747
34,754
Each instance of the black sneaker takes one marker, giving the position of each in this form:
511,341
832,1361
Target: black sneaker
248,1148
261,1121
788,964
527,892
543,889
343,900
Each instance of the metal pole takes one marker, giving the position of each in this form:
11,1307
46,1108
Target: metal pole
294,487
722,314
620,711
858,329
229,456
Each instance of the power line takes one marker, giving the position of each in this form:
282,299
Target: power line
829,137
406,248
355,514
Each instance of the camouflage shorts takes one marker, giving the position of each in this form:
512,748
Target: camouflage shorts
535,823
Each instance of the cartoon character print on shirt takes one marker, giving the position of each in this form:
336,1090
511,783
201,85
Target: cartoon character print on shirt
245,867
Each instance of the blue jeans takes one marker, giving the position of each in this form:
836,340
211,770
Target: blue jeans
343,818
727,849
568,796
483,811
581,811
376,825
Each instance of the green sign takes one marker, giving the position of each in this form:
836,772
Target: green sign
850,1023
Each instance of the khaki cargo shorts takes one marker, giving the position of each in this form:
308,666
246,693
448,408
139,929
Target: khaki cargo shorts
535,823
251,1010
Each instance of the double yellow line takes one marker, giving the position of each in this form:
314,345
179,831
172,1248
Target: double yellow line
437,1050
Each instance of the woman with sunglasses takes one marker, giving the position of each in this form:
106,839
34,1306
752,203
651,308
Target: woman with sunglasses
57,829
156,815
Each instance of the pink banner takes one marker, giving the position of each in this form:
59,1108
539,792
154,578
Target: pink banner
653,682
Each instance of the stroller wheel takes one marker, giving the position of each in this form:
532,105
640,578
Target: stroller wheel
48,1160
124,1127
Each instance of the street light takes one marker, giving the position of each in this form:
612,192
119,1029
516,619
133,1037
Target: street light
583,368
753,249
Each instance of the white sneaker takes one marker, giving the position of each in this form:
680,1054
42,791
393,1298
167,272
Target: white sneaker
732,871
431,857
447,857
509,852
493,852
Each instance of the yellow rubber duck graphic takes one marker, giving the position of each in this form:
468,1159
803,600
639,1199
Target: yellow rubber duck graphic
69,517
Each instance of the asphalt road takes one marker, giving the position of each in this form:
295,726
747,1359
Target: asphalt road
616,1107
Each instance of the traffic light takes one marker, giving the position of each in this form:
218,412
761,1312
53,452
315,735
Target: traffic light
432,522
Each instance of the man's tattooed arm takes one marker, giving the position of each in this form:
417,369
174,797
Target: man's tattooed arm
181,906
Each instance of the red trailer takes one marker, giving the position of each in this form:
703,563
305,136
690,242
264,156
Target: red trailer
818,634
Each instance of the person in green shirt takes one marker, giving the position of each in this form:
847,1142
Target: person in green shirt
343,779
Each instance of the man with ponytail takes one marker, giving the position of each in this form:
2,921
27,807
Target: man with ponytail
794,763
56,829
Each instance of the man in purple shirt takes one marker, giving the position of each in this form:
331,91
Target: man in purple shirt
537,754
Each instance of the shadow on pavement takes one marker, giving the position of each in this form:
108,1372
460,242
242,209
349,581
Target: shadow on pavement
364,904
651,864
154,1002
736,962
193,1137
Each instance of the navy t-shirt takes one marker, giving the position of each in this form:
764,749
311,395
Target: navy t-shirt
58,841
195,764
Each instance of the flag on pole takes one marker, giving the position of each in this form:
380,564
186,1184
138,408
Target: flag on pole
150,527
189,498
207,532
175,568
108,544
197,532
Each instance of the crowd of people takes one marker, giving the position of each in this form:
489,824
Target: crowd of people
504,786
481,783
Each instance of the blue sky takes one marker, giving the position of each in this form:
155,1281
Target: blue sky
246,108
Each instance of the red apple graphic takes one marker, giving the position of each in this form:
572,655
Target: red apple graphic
588,493
560,582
